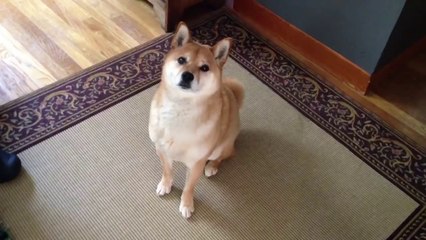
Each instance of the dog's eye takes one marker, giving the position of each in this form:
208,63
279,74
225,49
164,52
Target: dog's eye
204,68
181,60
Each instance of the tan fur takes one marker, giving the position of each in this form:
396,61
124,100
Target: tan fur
237,90
198,124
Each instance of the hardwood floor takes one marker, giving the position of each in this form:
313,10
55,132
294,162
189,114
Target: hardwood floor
404,118
42,41
406,88
403,94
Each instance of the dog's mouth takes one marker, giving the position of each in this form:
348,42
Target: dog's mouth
184,85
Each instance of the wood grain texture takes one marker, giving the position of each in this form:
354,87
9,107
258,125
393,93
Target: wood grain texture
46,51
43,41
405,87
406,116
400,61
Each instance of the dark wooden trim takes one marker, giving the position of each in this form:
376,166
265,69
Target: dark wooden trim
215,3
176,9
303,47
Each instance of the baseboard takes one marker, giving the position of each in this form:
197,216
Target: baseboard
303,47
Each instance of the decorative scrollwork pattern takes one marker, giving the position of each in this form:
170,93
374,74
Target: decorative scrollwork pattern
23,123
30,120
350,124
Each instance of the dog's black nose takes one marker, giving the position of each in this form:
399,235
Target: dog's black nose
186,80
187,77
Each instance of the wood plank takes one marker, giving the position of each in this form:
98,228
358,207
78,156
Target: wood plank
13,82
393,66
60,38
41,47
67,36
134,9
304,47
132,28
56,9
405,88
102,15
398,118
14,55
102,34
124,23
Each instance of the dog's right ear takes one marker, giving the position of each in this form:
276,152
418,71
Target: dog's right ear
221,51
182,35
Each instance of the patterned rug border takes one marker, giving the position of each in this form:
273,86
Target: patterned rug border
401,136
250,67
353,148
81,73
29,141
414,225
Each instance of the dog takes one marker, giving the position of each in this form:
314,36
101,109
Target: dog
194,115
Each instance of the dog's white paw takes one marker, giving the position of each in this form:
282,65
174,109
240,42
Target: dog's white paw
164,188
210,170
186,210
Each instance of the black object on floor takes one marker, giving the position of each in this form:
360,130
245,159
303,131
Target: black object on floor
10,166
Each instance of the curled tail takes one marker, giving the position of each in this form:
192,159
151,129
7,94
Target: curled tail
237,89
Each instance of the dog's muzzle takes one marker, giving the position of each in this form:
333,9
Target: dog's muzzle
186,80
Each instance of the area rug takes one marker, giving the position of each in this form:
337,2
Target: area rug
310,164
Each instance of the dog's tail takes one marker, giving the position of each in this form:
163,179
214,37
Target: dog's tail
237,89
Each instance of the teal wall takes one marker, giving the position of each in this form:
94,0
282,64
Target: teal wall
357,29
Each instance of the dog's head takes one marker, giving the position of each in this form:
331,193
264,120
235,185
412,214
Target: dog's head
192,68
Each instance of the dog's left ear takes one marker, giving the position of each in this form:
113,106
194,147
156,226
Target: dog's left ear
221,51
182,35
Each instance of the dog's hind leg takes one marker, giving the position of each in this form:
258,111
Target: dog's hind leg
213,165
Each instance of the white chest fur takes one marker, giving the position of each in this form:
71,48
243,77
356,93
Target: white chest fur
183,131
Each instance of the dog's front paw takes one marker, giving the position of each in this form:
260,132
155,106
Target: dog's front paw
210,169
164,187
186,209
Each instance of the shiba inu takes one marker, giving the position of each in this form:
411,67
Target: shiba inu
194,115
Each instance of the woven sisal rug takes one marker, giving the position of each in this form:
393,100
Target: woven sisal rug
310,164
